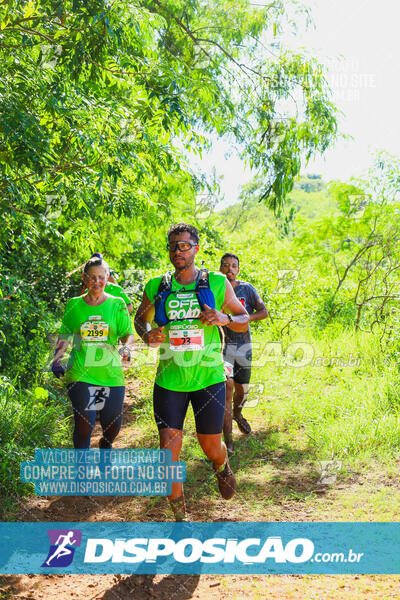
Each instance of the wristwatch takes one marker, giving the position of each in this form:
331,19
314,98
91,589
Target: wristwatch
230,318
125,351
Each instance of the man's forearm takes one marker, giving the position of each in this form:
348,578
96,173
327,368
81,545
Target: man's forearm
239,323
142,326
259,315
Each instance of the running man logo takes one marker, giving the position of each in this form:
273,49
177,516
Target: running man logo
98,397
62,547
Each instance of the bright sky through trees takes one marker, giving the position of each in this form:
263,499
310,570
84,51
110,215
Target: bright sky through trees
359,43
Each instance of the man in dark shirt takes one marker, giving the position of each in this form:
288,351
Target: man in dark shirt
238,349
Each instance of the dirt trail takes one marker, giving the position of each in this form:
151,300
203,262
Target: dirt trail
179,587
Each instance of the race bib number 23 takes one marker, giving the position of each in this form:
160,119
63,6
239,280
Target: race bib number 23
182,340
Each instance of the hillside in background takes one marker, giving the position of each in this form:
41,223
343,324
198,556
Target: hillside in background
310,197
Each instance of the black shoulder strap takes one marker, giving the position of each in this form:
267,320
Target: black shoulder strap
203,280
165,283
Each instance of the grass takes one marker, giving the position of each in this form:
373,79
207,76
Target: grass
301,416
29,419
348,408
346,412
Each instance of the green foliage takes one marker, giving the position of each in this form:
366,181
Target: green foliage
344,397
340,244
99,103
29,420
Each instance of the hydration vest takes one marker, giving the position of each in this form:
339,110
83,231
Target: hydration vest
202,290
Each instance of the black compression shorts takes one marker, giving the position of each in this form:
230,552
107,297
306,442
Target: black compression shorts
208,407
87,399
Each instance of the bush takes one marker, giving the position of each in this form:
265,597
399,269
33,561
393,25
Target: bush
29,420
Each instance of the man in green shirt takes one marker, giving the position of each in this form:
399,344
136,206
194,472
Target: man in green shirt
187,305
116,290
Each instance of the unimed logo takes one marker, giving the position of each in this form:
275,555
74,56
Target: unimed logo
62,547
190,550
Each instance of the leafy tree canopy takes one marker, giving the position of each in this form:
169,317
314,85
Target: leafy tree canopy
98,102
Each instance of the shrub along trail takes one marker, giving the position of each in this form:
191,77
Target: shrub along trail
279,479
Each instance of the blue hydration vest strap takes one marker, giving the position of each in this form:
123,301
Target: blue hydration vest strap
202,290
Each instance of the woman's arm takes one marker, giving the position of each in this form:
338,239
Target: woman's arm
56,366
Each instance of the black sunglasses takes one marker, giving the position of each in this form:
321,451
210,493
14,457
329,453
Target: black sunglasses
182,246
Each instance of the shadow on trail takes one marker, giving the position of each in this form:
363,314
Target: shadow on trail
268,466
267,447
269,470
99,508
138,587
179,587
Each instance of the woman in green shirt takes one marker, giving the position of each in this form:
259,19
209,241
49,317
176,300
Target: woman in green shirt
94,323
111,288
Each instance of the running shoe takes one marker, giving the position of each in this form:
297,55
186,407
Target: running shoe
226,480
243,425
179,509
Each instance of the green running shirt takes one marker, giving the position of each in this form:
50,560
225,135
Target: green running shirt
190,359
117,291
96,330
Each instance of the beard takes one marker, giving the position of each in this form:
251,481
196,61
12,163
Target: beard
183,264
